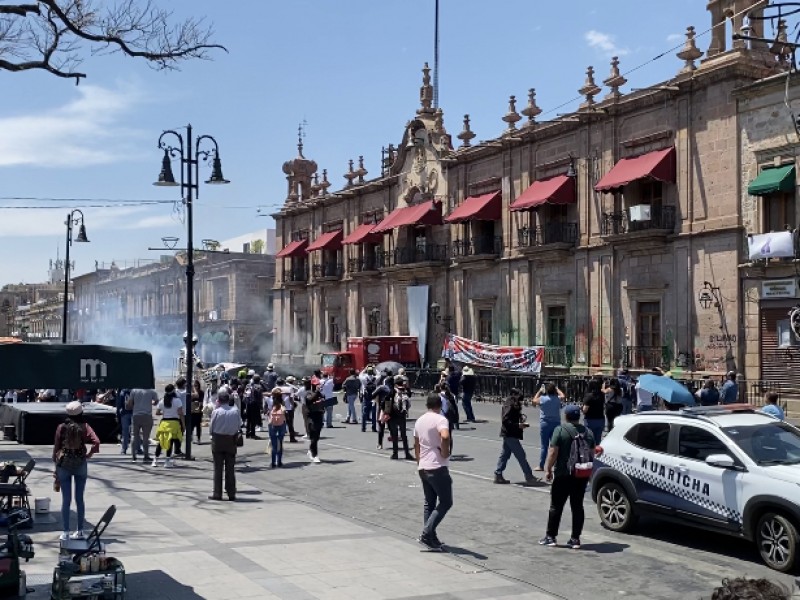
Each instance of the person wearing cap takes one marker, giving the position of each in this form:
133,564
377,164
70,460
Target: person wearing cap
70,457
270,377
224,427
468,384
289,390
628,389
254,406
326,389
512,426
352,390
369,412
729,394
565,486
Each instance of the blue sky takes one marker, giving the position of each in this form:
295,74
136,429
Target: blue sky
350,69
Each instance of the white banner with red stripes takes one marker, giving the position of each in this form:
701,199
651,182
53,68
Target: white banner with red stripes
524,359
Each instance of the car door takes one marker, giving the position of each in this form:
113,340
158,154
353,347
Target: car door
704,493
643,454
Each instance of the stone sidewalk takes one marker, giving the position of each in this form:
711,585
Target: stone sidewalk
177,545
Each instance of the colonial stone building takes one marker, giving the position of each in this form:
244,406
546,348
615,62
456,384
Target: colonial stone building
600,234
769,268
145,307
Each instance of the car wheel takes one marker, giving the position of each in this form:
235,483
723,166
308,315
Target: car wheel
615,508
776,537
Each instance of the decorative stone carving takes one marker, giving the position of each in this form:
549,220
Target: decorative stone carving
512,116
590,89
324,184
361,171
532,110
780,47
690,51
350,175
425,92
466,134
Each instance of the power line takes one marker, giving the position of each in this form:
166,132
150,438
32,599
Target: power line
48,199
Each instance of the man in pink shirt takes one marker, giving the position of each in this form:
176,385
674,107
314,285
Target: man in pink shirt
432,451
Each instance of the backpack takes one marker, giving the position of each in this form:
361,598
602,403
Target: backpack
400,403
581,457
370,385
277,417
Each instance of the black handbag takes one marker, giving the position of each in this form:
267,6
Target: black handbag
239,440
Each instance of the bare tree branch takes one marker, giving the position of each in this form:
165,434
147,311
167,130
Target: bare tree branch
51,35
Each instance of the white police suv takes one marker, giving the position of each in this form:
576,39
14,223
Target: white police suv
724,468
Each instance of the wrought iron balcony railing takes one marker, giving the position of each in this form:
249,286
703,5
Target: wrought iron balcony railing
295,274
364,264
550,233
620,223
647,357
559,356
409,255
478,246
327,269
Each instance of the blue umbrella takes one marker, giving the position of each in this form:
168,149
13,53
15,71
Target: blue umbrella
667,389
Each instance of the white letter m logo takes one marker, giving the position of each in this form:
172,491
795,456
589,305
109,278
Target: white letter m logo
93,369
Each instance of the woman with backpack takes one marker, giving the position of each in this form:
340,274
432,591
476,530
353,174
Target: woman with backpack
613,394
276,419
197,409
70,457
170,430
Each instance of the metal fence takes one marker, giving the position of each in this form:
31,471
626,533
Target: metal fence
495,387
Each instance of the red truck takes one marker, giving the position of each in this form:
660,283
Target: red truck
362,351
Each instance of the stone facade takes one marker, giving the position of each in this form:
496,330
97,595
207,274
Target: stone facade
604,279
145,307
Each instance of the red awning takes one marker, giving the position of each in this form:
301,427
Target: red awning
554,190
295,248
327,241
361,235
658,165
486,207
427,213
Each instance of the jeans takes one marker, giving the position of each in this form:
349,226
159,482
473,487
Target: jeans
223,449
314,429
351,408
513,446
546,429
596,426
65,477
125,421
566,487
437,486
397,427
368,413
466,402
627,406
142,426
276,433
329,416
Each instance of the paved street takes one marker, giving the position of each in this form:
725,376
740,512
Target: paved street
346,528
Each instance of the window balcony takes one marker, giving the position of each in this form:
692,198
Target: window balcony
365,265
477,248
551,240
558,356
414,255
647,357
327,271
295,275
619,226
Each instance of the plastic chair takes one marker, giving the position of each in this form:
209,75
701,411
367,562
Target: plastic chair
92,543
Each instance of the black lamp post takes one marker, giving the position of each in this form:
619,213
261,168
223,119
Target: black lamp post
73,218
190,155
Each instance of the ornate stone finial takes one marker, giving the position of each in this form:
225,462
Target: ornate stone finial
351,174
780,47
615,80
532,110
438,122
512,116
690,51
466,134
324,184
300,135
315,187
590,89
425,92
361,171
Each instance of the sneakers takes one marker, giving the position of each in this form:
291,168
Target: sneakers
310,456
430,543
78,535
498,478
380,447
64,536
154,463
548,541
574,543
316,460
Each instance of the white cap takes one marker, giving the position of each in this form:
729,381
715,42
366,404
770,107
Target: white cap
270,366
251,372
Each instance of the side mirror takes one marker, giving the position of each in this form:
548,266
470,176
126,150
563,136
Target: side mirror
723,461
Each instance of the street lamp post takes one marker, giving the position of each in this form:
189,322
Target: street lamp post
190,156
72,220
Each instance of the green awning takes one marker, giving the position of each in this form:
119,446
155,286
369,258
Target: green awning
769,181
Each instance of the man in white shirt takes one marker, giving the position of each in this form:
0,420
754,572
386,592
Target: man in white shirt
225,426
326,389
644,399
288,393
432,451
